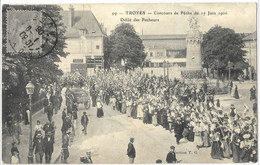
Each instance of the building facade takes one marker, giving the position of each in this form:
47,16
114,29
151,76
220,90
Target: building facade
250,42
85,42
163,53
171,54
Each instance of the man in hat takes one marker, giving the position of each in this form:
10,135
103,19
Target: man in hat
38,145
131,151
49,111
48,144
16,132
15,149
45,103
84,122
233,111
178,129
252,93
64,114
48,128
65,147
171,156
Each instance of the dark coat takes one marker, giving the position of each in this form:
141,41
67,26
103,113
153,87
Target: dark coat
38,146
84,121
48,128
63,116
178,129
48,145
171,157
131,150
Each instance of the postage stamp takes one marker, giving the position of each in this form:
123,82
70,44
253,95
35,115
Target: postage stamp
32,34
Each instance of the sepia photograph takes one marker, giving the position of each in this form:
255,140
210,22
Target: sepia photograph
128,83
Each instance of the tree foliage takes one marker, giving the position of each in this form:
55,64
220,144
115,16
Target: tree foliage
124,43
221,45
73,79
17,70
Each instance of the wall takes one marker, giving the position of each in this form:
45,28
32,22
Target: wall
159,71
79,48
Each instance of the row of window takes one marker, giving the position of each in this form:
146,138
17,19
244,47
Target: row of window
160,64
158,54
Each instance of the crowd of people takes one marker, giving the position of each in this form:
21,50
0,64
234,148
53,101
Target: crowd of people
43,135
188,110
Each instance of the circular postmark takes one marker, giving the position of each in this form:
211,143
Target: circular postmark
31,34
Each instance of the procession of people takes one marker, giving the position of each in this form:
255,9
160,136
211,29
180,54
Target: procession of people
189,111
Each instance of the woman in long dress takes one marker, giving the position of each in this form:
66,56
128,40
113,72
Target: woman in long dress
236,94
140,114
134,110
154,118
128,107
216,146
205,134
190,136
198,135
123,105
227,152
100,112
235,146
146,115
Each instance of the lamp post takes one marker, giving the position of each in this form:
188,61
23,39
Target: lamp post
164,70
229,70
167,71
123,64
29,90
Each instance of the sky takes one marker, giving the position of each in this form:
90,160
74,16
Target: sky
240,17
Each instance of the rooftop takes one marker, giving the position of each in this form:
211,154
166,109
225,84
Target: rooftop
250,37
164,37
82,20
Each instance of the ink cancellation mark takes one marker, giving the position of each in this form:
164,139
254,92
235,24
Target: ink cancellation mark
31,34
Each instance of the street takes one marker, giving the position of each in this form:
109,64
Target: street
107,138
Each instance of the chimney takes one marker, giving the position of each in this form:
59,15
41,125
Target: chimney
71,16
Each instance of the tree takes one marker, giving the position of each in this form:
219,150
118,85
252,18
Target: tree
17,70
124,43
73,80
221,45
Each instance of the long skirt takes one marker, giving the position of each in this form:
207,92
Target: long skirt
154,120
146,117
227,152
185,133
165,122
100,112
198,140
134,112
205,138
191,135
245,155
123,107
236,152
140,112
215,150
236,95
128,111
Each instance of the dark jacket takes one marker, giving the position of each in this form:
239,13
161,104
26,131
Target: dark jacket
171,157
84,121
48,128
63,116
48,145
131,150
38,146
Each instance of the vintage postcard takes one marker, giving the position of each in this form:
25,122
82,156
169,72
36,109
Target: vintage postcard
129,83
